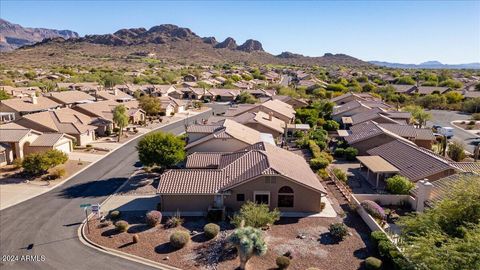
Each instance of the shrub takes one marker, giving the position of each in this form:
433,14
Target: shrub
318,163
58,173
314,148
153,218
476,116
340,174
338,230
135,238
179,239
174,221
114,214
373,209
471,123
350,153
377,237
211,230
323,174
38,163
255,215
339,152
372,263
282,262
121,225
456,151
331,125
115,130
17,163
399,185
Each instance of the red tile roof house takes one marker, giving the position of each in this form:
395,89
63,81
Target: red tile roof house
224,136
368,135
220,94
262,173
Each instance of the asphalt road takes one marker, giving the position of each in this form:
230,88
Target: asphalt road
47,225
444,119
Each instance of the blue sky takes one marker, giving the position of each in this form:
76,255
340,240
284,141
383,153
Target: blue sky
395,31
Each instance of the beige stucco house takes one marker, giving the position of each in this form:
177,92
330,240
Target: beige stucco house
262,173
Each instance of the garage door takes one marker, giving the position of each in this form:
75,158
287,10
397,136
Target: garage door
64,147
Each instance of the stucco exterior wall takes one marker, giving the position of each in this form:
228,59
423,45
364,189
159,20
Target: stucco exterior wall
264,129
186,203
305,199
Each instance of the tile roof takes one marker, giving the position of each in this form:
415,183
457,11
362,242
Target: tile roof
240,109
230,129
442,188
279,107
203,160
65,120
116,95
47,139
413,162
13,135
26,105
359,96
408,131
467,166
237,168
402,88
71,97
431,89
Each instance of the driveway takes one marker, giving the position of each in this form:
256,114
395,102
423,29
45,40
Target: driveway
47,225
444,118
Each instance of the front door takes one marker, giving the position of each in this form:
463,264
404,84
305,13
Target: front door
262,198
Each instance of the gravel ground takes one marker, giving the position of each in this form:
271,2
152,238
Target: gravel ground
316,249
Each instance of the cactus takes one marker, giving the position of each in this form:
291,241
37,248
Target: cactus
249,242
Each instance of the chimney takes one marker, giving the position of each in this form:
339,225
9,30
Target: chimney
423,194
34,99
115,92
270,116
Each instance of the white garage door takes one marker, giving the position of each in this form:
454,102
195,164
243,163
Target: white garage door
64,147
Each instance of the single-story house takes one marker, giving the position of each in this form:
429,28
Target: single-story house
426,90
23,106
378,115
65,120
261,173
225,136
414,162
71,98
115,94
262,122
355,107
350,96
404,88
220,94
294,102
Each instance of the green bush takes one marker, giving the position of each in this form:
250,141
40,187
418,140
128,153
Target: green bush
339,152
319,163
377,237
331,125
340,174
456,151
282,262
39,163
255,215
114,214
399,185
17,163
179,239
314,148
351,153
121,225
372,263
211,230
57,173
476,116
174,221
338,230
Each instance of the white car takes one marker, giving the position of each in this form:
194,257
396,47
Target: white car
446,131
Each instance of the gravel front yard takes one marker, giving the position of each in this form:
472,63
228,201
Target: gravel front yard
308,240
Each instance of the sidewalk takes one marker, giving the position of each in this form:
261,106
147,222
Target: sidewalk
11,194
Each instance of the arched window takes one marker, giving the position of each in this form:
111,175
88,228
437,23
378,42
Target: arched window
285,197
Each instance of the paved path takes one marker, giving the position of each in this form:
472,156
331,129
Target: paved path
444,118
47,225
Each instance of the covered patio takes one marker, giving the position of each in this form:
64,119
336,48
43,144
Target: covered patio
375,168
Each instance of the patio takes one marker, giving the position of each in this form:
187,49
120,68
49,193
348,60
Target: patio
375,170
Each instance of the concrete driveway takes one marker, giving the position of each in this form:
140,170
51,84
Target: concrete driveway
444,118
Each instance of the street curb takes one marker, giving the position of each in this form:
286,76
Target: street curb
87,242
91,164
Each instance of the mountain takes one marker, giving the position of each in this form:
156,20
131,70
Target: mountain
162,44
13,36
427,65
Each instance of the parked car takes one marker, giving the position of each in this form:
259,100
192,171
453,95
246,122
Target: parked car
446,131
